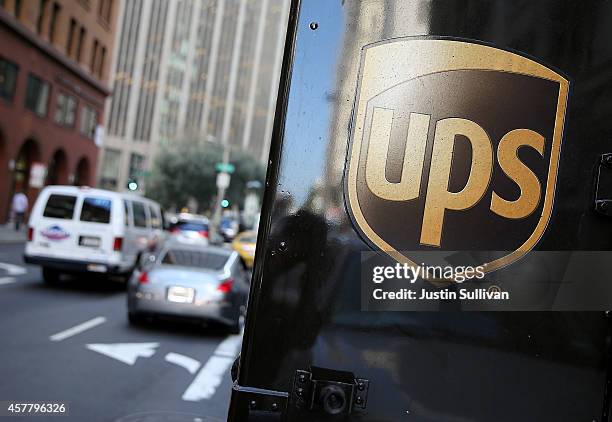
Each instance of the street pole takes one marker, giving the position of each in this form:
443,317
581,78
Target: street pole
221,189
229,109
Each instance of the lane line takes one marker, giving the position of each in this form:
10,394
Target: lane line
211,375
77,329
6,280
186,362
12,269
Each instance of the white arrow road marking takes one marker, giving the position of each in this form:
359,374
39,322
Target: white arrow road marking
186,362
6,280
12,269
77,329
125,352
210,376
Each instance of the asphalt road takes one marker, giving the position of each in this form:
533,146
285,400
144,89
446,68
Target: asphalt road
72,343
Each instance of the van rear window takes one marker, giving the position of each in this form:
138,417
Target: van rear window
60,206
96,210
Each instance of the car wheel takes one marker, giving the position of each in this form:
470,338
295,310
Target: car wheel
237,326
50,276
135,319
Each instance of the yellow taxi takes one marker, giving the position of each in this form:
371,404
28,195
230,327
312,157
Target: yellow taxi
244,244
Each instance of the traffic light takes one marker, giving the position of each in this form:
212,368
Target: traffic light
225,203
132,185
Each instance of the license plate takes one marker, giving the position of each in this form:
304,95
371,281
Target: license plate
90,242
96,268
179,294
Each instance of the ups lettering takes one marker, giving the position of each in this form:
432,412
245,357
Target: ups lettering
438,197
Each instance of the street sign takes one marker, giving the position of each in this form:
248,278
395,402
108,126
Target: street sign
223,180
225,168
38,173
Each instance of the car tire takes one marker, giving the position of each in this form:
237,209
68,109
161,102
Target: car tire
236,327
50,276
135,319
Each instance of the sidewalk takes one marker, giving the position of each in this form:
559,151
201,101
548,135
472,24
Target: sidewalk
9,235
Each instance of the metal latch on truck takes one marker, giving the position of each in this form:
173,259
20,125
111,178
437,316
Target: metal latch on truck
329,391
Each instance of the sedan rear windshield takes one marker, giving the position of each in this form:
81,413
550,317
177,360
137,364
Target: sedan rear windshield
60,206
96,210
190,226
196,259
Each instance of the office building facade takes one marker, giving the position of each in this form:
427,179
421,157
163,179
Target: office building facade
191,71
54,67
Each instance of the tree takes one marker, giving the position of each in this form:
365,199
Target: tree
187,170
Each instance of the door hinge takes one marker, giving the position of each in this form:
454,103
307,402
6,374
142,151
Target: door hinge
603,185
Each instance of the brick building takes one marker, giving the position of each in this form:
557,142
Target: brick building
54,65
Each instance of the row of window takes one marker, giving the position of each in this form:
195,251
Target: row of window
98,210
111,168
76,35
49,16
37,100
105,8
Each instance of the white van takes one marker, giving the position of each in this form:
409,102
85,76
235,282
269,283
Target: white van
80,229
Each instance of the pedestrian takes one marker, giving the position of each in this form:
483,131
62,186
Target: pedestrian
19,208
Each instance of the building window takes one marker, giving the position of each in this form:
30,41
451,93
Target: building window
101,64
89,121
94,56
80,43
136,169
8,79
17,8
42,11
110,169
54,17
66,110
70,39
37,95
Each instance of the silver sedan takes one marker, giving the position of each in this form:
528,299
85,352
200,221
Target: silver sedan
186,281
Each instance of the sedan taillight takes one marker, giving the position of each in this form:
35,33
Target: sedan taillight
143,277
30,234
226,285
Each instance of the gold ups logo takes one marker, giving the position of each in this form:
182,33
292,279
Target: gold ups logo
454,146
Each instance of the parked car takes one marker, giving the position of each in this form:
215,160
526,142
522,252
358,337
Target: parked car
244,244
74,229
190,282
190,228
228,227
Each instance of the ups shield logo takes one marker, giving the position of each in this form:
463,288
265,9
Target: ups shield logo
455,147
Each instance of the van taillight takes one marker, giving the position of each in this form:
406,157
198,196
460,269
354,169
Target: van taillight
30,234
118,243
